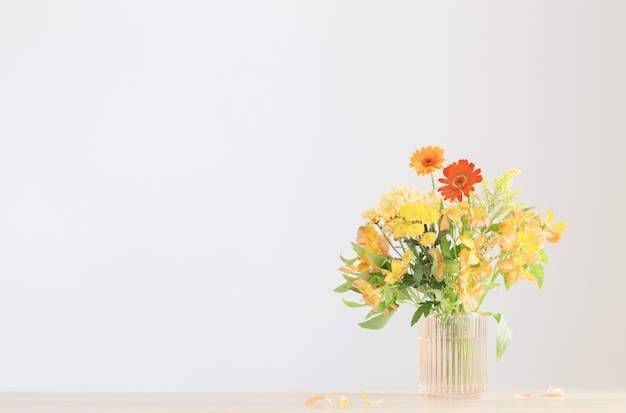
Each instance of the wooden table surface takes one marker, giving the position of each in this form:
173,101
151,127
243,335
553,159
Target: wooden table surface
500,401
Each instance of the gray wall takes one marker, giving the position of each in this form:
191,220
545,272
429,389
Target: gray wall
178,179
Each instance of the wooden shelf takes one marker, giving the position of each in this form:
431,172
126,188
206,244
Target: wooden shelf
501,401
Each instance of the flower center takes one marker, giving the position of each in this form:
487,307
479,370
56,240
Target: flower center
428,162
459,181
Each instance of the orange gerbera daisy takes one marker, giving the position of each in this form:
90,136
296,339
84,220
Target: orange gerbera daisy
460,178
427,160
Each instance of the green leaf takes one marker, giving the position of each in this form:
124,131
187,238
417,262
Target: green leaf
446,249
377,322
494,228
419,270
349,280
434,270
388,294
490,286
437,293
537,271
422,310
366,277
343,288
347,261
347,286
503,336
544,256
451,266
352,304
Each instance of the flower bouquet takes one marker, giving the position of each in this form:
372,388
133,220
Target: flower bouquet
443,250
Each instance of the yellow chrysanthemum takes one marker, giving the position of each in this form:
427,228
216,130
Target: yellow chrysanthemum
414,230
399,230
411,211
389,204
430,215
428,239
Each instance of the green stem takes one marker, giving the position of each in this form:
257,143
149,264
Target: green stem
389,241
414,296
484,293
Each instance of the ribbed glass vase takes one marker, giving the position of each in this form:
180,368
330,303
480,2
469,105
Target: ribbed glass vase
453,356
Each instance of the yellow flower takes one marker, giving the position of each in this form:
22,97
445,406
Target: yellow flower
457,211
415,230
430,215
427,160
400,230
477,217
369,238
428,239
412,211
522,232
398,268
389,204
370,294
341,400
515,268
553,233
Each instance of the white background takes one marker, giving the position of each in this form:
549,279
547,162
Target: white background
178,179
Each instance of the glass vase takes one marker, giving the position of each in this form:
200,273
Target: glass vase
453,355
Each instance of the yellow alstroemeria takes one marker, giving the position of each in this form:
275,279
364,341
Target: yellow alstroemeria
477,217
398,268
530,242
553,233
521,232
444,224
469,255
456,212
470,296
370,294
369,238
515,267
437,256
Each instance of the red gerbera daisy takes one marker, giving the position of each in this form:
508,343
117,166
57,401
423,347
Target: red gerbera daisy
460,178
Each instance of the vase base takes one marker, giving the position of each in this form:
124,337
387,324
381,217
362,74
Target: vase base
452,396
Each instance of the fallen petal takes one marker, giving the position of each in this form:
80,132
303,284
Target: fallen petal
341,400
525,396
315,399
554,391
367,400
